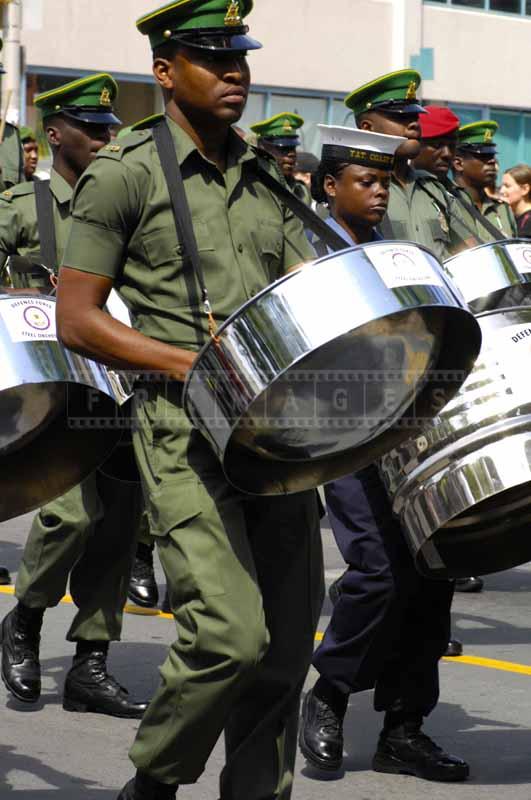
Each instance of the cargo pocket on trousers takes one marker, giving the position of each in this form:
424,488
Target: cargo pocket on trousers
189,545
173,505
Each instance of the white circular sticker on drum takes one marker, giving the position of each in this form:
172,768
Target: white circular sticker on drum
521,256
403,265
29,319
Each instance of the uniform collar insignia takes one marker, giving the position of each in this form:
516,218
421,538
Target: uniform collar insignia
233,17
411,93
105,99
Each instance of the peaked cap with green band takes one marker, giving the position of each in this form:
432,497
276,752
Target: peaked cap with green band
478,137
395,93
27,134
280,130
215,25
88,100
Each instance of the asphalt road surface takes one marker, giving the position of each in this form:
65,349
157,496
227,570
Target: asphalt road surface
484,714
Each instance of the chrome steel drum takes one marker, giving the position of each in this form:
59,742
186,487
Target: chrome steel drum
462,489
59,412
321,372
495,275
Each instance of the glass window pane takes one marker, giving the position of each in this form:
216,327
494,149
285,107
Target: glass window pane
312,109
509,6
341,115
528,7
467,114
254,111
507,138
469,3
527,140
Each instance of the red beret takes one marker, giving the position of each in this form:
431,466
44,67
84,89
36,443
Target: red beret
438,121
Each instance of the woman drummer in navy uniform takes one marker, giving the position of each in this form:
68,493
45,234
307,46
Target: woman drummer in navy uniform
383,607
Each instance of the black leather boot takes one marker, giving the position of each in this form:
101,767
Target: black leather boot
404,749
5,577
321,733
143,589
454,649
469,585
89,687
20,635
142,787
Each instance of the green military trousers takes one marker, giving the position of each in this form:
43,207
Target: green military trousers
89,535
246,587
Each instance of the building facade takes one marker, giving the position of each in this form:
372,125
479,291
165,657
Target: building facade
472,54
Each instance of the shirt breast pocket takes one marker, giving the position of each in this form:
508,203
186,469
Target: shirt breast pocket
269,241
162,247
167,285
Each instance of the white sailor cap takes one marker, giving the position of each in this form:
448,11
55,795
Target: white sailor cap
365,148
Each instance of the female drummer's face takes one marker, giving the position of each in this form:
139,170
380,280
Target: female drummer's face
359,194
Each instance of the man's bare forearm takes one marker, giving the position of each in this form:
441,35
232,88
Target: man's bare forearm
85,328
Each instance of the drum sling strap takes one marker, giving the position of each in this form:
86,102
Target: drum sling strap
185,229
45,224
473,211
47,240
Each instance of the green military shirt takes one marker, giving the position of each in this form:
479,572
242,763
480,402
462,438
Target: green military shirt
123,229
414,215
501,216
19,234
11,158
497,213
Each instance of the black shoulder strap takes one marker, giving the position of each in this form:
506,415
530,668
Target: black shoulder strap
310,219
472,210
183,223
45,224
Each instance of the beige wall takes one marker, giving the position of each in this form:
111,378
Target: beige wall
479,58
307,43
329,46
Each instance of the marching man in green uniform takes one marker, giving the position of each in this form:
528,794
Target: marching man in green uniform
419,208
245,572
87,535
279,137
11,155
474,168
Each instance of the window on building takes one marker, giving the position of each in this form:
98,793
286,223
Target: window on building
508,6
469,3
522,7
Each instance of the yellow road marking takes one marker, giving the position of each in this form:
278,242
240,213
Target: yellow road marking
474,661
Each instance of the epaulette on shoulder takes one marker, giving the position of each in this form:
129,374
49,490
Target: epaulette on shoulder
117,150
20,190
424,175
261,153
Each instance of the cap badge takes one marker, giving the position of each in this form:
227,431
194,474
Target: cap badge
287,127
233,17
488,137
411,93
105,98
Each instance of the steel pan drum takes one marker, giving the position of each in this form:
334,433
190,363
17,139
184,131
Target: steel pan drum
59,412
320,372
462,489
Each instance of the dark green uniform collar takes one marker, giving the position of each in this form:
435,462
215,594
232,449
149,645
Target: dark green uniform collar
238,150
61,190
